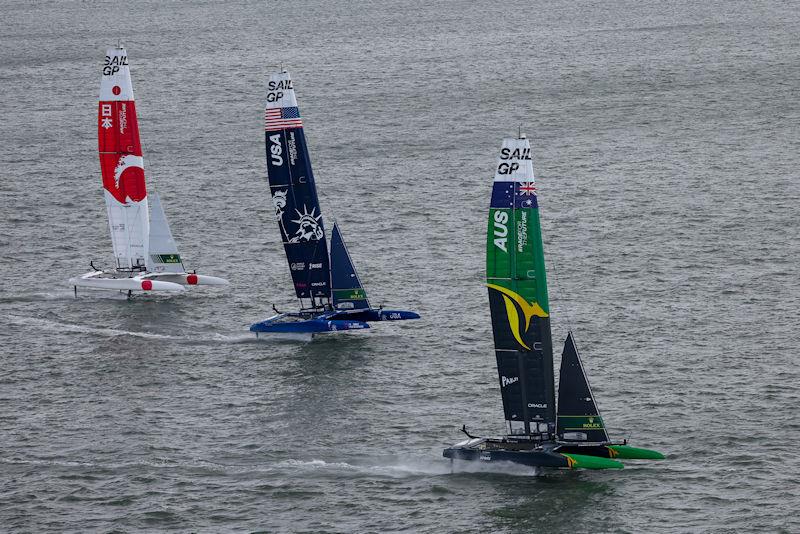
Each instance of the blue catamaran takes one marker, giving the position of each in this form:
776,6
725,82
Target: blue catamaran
330,291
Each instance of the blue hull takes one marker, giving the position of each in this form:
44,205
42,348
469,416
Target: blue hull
334,321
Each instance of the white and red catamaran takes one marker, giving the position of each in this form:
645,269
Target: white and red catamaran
146,255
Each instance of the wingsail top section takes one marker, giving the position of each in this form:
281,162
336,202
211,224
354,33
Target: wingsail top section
515,275
121,163
578,416
348,293
294,194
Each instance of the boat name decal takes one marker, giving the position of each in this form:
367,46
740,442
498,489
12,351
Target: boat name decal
276,150
501,230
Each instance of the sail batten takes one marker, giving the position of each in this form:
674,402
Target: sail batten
294,194
516,280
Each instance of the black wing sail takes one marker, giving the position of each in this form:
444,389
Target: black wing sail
578,416
294,194
517,282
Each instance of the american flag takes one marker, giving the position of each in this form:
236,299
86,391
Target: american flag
280,118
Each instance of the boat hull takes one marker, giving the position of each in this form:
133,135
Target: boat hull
287,323
531,454
373,314
188,279
107,280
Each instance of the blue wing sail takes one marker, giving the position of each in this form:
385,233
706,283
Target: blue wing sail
294,194
348,293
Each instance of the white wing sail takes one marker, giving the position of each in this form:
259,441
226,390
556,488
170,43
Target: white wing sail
121,162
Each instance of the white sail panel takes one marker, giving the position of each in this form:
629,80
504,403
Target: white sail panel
121,162
163,254
515,163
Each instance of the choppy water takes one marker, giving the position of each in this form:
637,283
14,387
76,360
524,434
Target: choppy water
666,146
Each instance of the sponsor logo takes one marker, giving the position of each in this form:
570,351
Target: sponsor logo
318,284
536,405
276,90
501,230
507,381
315,266
123,118
486,456
522,231
112,64
514,301
592,425
292,144
275,150
517,153
297,266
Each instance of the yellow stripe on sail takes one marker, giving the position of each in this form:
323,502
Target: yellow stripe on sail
528,309
513,321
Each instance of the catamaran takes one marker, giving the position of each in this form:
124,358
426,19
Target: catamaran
574,436
331,295
145,252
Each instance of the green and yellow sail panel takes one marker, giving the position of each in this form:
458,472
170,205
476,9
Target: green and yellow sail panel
515,276
579,419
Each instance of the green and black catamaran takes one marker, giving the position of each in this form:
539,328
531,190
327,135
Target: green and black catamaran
574,436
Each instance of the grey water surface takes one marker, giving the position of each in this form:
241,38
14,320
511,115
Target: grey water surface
666,147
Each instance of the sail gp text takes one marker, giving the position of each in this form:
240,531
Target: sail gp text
275,90
112,64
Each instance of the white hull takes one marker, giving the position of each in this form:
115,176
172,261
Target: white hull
187,279
109,280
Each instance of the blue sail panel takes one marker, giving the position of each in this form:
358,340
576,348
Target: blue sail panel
294,194
348,293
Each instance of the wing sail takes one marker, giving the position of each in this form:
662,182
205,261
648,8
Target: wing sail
348,293
578,416
121,163
515,275
294,194
163,255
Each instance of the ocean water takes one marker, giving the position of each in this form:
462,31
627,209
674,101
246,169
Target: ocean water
666,147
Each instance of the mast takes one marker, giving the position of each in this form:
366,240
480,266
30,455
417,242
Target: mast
294,194
121,163
515,276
